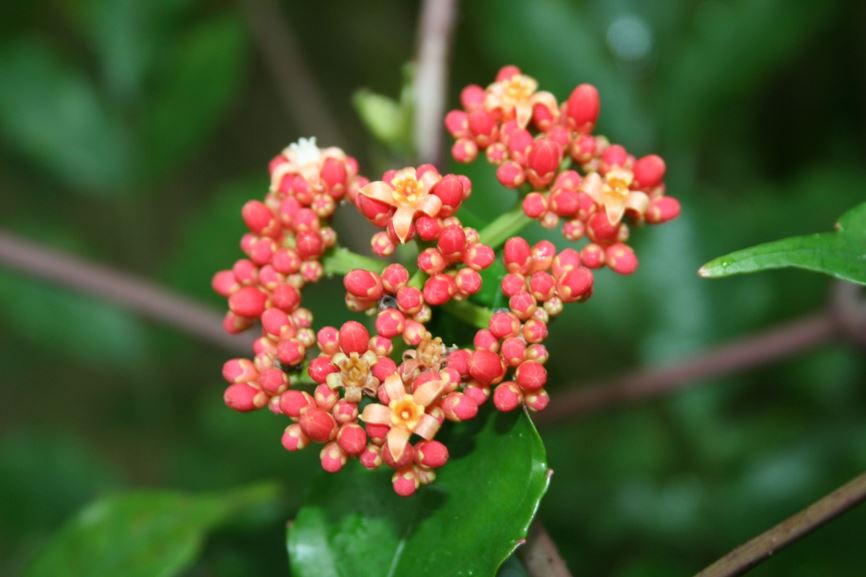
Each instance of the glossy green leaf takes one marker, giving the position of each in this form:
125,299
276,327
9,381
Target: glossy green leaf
841,253
466,523
141,534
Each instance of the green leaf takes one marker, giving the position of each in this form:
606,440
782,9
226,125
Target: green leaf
53,116
467,522
841,253
386,120
200,79
142,534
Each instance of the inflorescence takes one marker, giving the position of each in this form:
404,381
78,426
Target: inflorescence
380,391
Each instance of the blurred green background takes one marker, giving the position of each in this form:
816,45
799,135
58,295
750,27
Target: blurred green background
132,131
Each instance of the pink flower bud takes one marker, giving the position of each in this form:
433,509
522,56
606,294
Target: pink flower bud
390,323
476,392
405,482
259,218
410,300
273,381
564,202
537,400
486,367
382,244
328,339
431,261
239,371
613,156
592,256
512,284
522,304
565,261
472,97
621,258
352,439
452,242
245,271
464,151
332,457
291,352
243,397
248,302
325,397
504,324
648,171
534,331
294,439
457,123
363,284
371,458
582,107
484,340
286,298
513,351
451,192
405,459
354,337
459,361
234,324
543,160
345,412
320,368
317,424
438,289
224,283
507,396
517,253
394,277
510,174
537,352
479,256
286,261
534,205
662,209
458,407
519,143
542,285
431,454
600,229
275,322
467,281
531,376
414,332
575,285
295,403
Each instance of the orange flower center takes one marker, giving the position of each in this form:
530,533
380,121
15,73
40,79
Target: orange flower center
618,181
407,190
519,88
354,371
405,412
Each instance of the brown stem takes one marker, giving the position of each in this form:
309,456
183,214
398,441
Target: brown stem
431,76
777,343
540,555
770,542
301,94
130,292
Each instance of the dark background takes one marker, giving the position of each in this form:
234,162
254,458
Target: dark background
131,132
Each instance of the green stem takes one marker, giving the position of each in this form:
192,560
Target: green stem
469,313
505,226
341,260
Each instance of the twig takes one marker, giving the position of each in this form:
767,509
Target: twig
298,89
130,292
431,76
540,555
777,343
787,532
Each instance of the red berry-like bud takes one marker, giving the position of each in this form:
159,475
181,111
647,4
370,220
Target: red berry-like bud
542,285
614,155
410,300
239,371
537,400
352,439
245,271
459,361
431,261
234,324
363,284
486,367
390,323
286,297
662,210
294,439
259,218
384,368
450,191
328,339
319,425
394,277
405,482
354,337
326,397
320,368
452,242
484,340
472,97
464,150
621,258
277,324
565,261
457,123
507,396
512,284
459,407
273,381
531,376
510,174
534,205
504,324
467,281
479,256
431,454
537,352
513,351
309,245
522,304
535,331
286,261
600,229
244,397
248,302
564,202
517,253
414,332
438,289
544,158
405,459
582,107
575,285
345,412
592,256
648,171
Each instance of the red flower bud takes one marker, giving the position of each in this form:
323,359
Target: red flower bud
479,256
458,407
354,337
244,397
286,298
431,261
486,367
410,300
352,438
294,439
291,352
332,457
507,396
259,218
467,281
513,351
592,256
621,258
431,454
517,253
390,323
318,425
320,368
394,277
504,324
224,283
457,123
648,171
438,289
405,482
662,210
239,371
575,285
295,403
248,302
486,341
273,381
510,174
534,205
363,284
531,376
582,107
452,242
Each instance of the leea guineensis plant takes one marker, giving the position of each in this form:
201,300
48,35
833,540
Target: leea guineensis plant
428,386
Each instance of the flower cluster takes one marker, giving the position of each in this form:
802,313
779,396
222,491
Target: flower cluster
533,140
380,387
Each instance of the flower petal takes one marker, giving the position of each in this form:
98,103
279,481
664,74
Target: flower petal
381,191
402,221
547,100
428,392
397,438
592,185
638,201
615,208
431,205
429,179
394,387
523,113
427,427
376,414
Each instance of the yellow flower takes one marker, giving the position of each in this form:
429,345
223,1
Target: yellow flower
614,195
516,97
304,158
409,195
